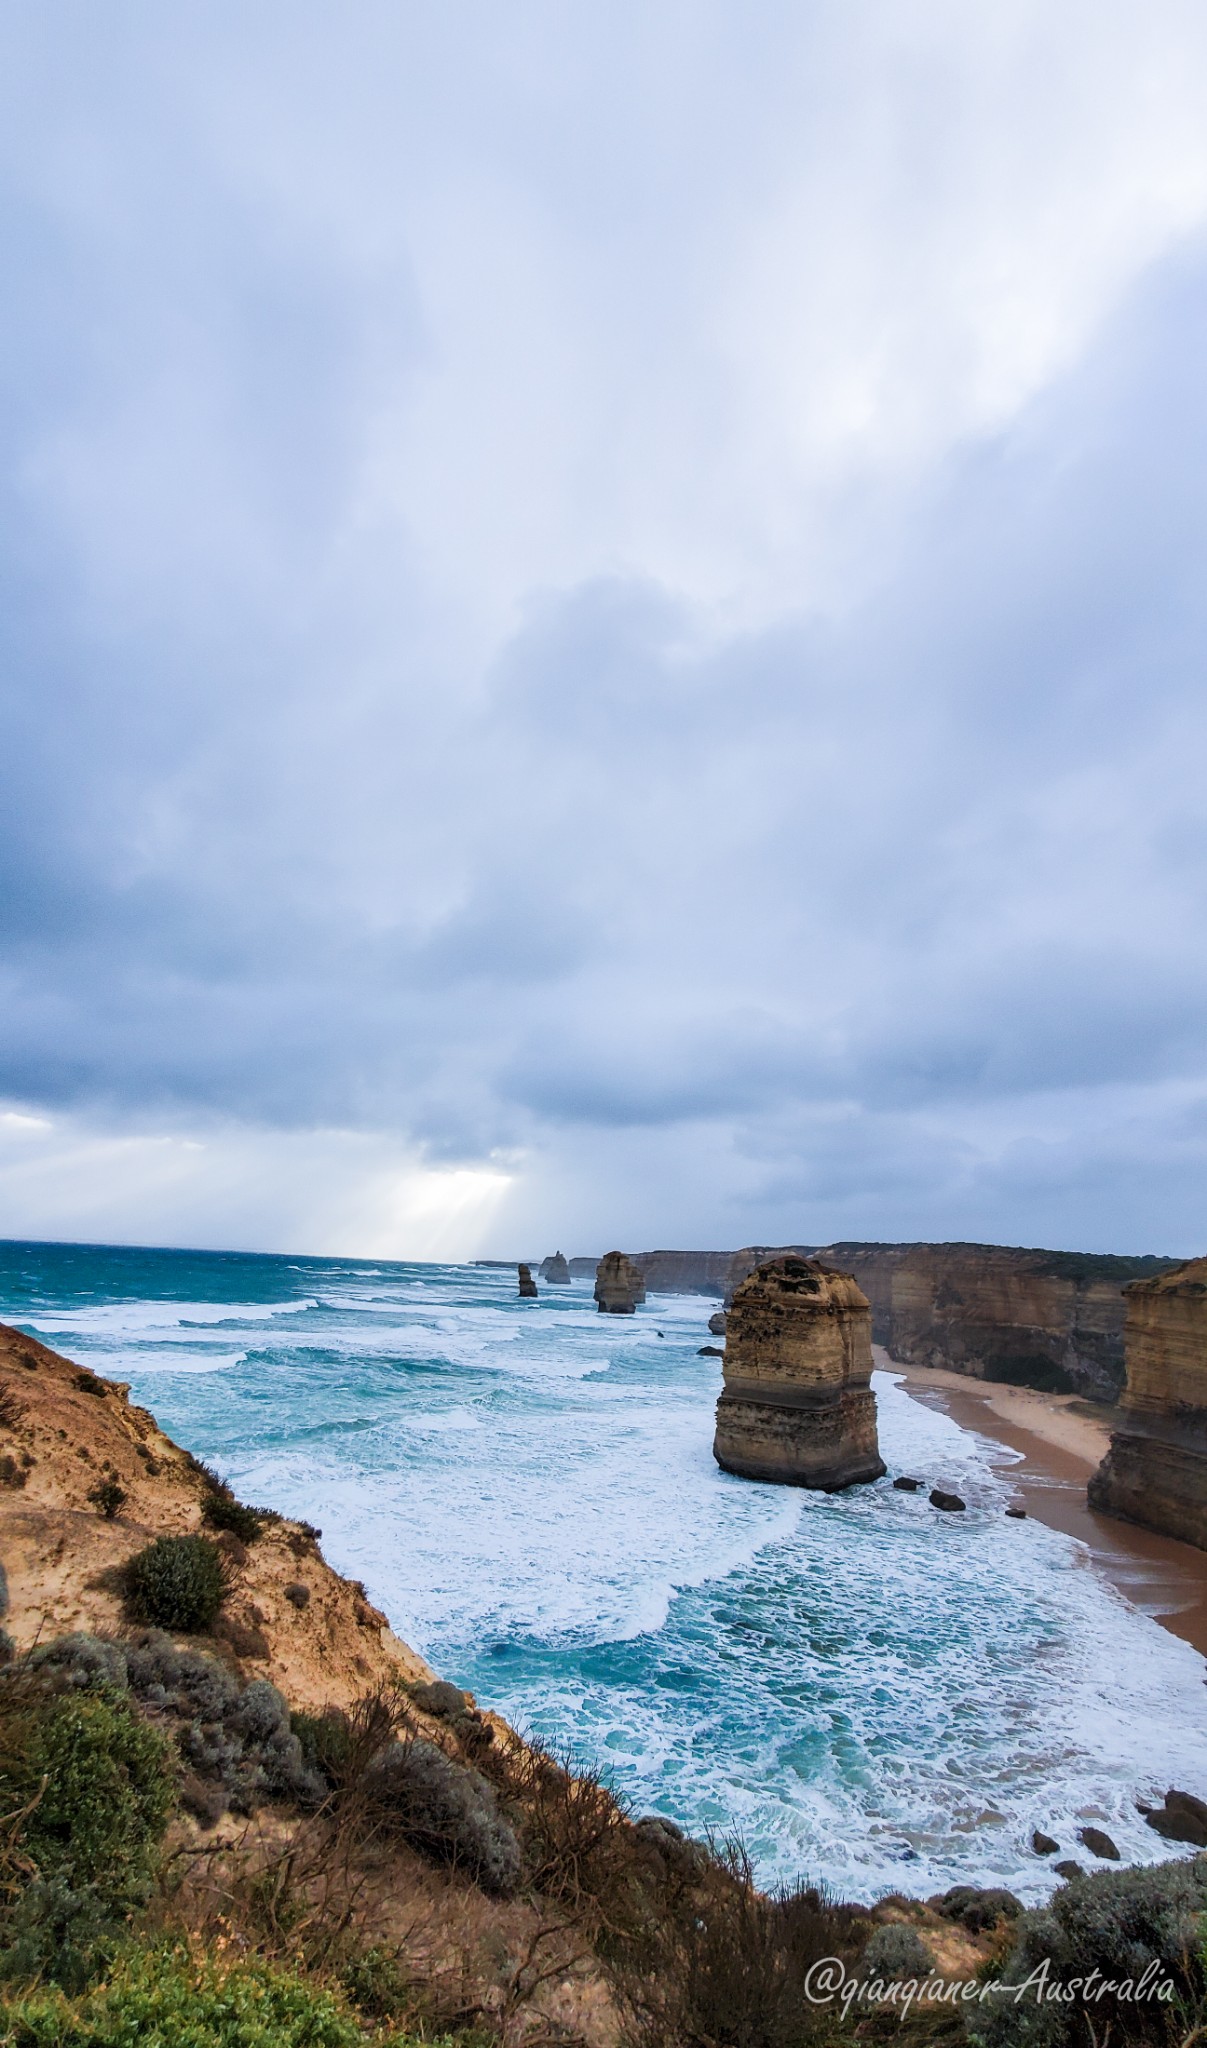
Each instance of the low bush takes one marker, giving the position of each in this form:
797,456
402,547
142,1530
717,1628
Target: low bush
327,1743
236,1737
169,1996
177,1583
446,1809
896,1953
236,1740
108,1497
89,1786
1120,1923
221,1510
378,1985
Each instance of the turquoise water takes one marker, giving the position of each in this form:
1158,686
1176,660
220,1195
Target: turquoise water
862,1688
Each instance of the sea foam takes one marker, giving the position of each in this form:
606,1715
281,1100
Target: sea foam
864,1689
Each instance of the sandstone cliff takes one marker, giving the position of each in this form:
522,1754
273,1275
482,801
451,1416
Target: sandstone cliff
66,1433
1155,1472
1052,1320
619,1287
683,1272
796,1404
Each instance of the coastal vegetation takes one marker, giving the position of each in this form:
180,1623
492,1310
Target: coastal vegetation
335,1902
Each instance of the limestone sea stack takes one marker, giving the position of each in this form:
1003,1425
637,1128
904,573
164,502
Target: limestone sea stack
528,1286
619,1287
555,1271
796,1405
1155,1472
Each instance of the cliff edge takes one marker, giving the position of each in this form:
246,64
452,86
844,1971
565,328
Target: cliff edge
87,1479
1155,1471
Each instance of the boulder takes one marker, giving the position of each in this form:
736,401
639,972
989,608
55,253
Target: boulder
1098,1843
1068,1870
1183,1818
950,1503
555,1270
1155,1471
904,1485
796,1406
619,1287
1042,1844
716,1323
528,1286
707,1350
1016,1514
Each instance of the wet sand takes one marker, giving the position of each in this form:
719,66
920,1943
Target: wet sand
1062,1439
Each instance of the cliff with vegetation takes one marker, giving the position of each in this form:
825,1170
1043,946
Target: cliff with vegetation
1155,1472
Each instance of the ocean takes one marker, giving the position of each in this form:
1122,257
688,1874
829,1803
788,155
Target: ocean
862,1689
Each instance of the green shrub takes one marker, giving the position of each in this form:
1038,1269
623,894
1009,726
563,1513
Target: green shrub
177,1583
220,1510
896,1953
1120,1923
447,1809
108,1497
96,1784
378,1985
326,1742
160,1997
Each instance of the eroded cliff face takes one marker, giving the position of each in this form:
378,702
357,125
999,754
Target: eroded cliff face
1155,1472
1052,1320
64,1433
684,1272
796,1405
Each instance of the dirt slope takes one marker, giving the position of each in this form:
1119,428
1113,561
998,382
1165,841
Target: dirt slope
63,1432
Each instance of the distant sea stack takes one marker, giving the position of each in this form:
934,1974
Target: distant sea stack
1155,1472
555,1271
619,1287
528,1286
796,1406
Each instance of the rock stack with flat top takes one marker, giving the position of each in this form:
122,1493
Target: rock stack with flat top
555,1271
1155,1472
528,1286
797,1406
619,1287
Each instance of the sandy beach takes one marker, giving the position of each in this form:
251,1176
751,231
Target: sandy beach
1061,1438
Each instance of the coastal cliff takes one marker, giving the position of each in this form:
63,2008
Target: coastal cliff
87,1479
796,1405
1051,1320
1155,1471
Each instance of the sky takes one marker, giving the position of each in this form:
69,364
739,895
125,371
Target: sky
603,624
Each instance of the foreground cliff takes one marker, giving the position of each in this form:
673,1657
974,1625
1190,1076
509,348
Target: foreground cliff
1155,1472
87,1480
796,1405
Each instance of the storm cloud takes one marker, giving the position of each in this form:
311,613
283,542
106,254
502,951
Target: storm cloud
604,626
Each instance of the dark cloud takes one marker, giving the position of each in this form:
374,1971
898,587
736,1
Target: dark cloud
877,914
